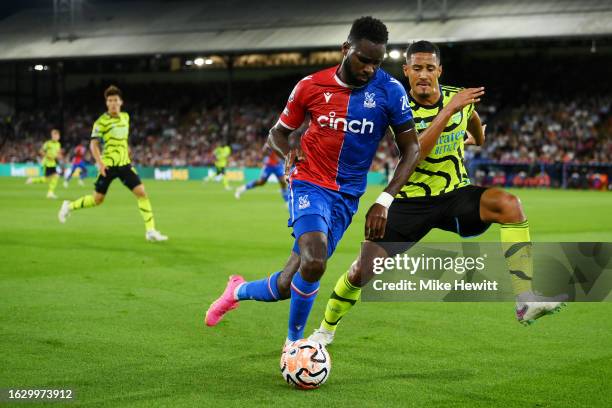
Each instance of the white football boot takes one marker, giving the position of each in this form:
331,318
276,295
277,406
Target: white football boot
155,236
239,192
322,336
64,212
531,306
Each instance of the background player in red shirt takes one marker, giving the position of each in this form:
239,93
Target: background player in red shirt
78,162
272,165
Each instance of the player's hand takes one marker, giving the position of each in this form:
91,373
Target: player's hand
465,97
101,169
376,220
295,155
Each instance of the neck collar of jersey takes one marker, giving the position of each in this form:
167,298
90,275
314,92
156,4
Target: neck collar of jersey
438,104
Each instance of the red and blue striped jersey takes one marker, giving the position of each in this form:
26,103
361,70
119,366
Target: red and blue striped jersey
346,126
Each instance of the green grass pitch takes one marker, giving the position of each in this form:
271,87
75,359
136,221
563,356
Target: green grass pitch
91,306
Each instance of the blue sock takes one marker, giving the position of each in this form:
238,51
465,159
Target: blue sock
285,194
263,290
303,295
250,184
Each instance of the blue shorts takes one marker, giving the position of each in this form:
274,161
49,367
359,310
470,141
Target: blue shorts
278,171
314,208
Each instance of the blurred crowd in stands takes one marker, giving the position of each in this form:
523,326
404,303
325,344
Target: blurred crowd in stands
538,144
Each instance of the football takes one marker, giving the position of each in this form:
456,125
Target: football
305,364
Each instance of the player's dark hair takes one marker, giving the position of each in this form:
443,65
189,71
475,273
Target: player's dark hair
423,46
369,28
111,91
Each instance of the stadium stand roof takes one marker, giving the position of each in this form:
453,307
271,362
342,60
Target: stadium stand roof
227,26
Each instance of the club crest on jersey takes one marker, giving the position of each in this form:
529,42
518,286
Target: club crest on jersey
457,118
303,202
369,101
327,96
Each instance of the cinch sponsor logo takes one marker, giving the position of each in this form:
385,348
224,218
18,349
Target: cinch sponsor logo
356,126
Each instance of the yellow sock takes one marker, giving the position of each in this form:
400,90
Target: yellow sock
144,205
225,182
38,180
83,202
340,302
53,183
516,245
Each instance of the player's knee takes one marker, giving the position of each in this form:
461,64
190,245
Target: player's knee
511,209
312,267
98,199
140,192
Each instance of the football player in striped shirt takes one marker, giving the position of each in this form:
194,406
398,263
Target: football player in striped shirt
50,151
111,130
439,194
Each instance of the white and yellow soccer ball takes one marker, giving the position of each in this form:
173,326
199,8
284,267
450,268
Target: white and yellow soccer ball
305,364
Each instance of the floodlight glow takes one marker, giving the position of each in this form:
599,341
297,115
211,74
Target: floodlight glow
208,61
39,67
189,62
199,61
395,54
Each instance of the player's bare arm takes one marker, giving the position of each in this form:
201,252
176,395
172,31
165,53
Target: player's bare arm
408,145
94,147
429,137
475,130
278,139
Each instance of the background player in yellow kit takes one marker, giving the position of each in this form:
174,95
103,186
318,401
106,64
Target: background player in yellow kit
50,151
222,152
112,130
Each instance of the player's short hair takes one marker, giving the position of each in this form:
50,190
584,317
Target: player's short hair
369,28
53,130
423,46
111,91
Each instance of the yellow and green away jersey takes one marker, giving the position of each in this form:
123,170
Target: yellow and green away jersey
443,169
221,154
51,148
113,131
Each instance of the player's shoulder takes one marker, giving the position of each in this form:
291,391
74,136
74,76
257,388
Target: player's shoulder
448,90
322,77
387,81
124,115
325,78
103,119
